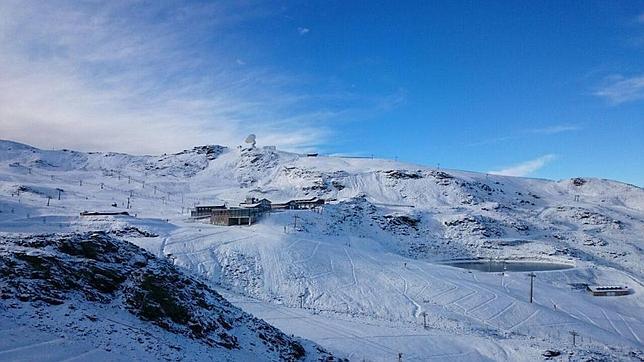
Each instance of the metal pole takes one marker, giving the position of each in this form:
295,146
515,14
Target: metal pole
574,334
532,276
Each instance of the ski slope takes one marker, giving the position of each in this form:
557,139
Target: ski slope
358,276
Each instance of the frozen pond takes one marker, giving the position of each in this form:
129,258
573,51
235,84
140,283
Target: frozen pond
508,265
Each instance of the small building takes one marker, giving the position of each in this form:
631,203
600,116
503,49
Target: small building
203,211
235,216
299,204
253,203
281,205
249,211
608,290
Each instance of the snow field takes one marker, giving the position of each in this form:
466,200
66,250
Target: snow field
362,288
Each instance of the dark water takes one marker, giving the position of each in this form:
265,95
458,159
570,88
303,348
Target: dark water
509,266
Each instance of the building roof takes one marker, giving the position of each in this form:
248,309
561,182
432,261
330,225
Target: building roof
254,200
254,203
103,213
250,206
607,288
237,211
211,206
312,199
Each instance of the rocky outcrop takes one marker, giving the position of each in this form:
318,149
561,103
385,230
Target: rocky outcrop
97,268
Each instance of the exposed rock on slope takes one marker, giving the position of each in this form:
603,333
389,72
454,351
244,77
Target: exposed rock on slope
97,268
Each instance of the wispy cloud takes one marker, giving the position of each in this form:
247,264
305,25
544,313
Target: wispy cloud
303,31
143,79
547,130
556,129
527,167
618,89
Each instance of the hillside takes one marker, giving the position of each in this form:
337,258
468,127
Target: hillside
82,295
369,263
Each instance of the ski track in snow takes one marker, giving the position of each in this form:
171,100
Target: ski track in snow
525,320
33,345
311,256
335,329
610,321
325,273
82,356
164,242
354,281
455,301
587,318
496,315
637,338
417,307
472,310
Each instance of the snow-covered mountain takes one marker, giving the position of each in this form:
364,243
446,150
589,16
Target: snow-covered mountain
95,296
372,254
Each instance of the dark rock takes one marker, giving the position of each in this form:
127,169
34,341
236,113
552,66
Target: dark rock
578,181
550,353
403,174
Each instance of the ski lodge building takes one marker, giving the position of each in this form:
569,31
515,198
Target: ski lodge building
608,290
235,216
253,203
202,212
250,210
299,204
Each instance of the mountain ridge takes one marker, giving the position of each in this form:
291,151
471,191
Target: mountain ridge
374,253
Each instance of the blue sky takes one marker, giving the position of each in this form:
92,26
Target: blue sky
543,89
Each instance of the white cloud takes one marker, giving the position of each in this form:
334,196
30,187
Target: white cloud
525,168
619,89
303,31
556,129
548,130
124,77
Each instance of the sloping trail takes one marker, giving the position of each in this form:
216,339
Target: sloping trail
34,345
